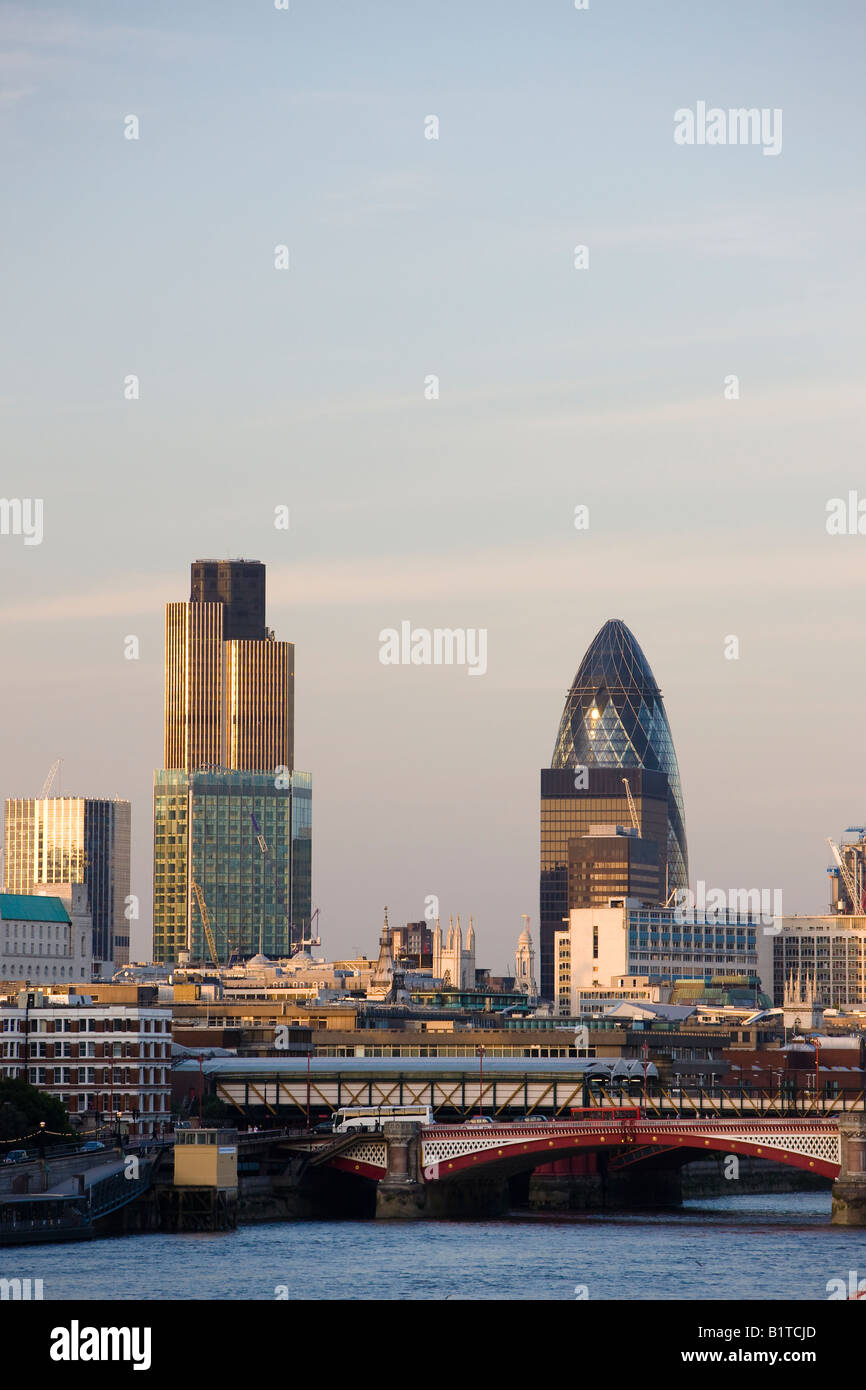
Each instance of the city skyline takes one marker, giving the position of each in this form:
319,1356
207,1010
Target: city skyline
290,414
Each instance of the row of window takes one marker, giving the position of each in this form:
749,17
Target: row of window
18,1023
95,1076
77,1051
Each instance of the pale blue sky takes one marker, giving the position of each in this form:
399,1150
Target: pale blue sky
558,387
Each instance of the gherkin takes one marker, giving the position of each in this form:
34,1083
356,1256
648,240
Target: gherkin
615,717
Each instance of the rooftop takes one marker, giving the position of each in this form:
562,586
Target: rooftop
32,907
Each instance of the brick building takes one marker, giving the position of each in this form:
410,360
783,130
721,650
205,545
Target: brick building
110,1064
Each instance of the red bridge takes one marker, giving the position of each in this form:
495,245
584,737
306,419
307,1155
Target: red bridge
448,1151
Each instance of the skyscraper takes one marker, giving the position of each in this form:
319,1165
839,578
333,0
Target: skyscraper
613,729
75,840
229,760
229,685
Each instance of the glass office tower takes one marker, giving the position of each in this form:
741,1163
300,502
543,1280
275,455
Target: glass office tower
73,839
258,899
614,726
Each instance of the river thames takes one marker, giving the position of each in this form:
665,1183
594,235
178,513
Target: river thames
778,1246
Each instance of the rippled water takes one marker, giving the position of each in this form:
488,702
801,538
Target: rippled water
749,1247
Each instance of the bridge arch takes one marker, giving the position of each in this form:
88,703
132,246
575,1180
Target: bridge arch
447,1152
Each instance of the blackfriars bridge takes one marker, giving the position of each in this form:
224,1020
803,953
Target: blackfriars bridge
520,1116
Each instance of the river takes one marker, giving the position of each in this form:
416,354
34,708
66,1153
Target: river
778,1246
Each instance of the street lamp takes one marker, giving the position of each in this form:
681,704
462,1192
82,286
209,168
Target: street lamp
480,1051
645,1062
117,1127
309,1055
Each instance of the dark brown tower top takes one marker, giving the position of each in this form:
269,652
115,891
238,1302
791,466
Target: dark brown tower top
240,586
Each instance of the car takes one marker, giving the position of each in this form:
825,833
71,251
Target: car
17,1156
91,1147
323,1127
479,1120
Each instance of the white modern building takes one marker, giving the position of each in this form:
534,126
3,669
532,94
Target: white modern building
656,945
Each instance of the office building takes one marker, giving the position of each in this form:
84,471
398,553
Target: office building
614,730
413,944
816,961
257,900
63,840
613,861
229,685
110,1065
231,816
657,945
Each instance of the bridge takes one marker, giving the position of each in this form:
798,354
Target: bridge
453,1169
448,1150
278,1090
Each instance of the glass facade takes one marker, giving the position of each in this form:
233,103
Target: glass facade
204,832
714,943
170,884
604,867
567,814
71,839
615,726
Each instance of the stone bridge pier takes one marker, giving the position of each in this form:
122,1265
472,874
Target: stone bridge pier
849,1189
404,1195
400,1195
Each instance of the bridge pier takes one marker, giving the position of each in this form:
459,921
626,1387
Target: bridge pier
849,1189
403,1195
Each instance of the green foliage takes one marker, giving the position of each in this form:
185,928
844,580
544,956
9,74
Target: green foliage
22,1106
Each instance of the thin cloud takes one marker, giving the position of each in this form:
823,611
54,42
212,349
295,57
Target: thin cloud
499,574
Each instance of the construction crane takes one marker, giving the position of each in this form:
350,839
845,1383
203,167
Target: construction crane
52,773
310,940
850,886
263,846
631,806
205,921
303,940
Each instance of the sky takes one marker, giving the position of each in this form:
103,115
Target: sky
606,386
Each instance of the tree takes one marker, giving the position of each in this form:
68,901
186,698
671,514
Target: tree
23,1107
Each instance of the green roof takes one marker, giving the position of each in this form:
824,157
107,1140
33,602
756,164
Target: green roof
31,907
